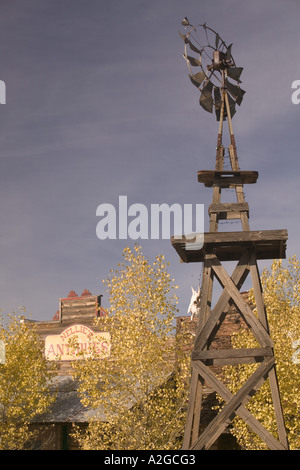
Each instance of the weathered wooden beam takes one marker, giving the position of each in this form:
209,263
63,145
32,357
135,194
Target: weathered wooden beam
228,246
256,236
258,291
218,424
229,210
262,315
239,276
232,356
237,406
228,207
278,408
226,179
206,293
194,407
258,329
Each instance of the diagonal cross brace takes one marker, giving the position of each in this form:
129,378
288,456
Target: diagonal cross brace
238,277
235,405
231,292
259,331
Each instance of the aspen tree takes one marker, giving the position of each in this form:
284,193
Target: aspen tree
138,388
281,286
24,383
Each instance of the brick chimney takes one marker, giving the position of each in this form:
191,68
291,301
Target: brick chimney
78,308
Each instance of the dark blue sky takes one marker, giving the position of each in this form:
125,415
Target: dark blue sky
99,104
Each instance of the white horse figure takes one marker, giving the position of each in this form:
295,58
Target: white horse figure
194,306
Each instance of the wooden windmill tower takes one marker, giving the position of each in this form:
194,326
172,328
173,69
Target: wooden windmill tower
245,247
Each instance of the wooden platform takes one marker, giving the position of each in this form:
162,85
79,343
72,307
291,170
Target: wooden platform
228,246
226,179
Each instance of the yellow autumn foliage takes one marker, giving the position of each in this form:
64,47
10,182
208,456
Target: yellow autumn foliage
281,286
136,389
24,383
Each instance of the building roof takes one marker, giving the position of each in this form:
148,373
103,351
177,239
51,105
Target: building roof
67,406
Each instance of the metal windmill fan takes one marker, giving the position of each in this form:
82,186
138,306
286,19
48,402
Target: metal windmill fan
205,50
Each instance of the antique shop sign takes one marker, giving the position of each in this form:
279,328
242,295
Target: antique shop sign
75,342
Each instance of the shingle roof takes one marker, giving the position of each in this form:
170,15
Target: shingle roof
67,406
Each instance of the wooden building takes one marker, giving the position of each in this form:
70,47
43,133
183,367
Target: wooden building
76,315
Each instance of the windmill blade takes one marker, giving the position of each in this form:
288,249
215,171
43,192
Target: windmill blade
236,92
183,37
192,60
206,100
228,52
193,48
189,42
235,73
231,106
218,102
197,79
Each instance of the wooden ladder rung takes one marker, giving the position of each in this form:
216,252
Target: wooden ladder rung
229,210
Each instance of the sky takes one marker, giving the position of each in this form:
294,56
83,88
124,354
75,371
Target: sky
99,104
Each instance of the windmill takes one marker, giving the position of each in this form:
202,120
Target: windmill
213,71
212,68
